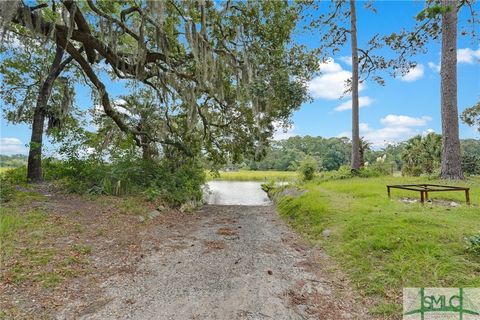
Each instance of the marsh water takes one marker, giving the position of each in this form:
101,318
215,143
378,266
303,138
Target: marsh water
243,193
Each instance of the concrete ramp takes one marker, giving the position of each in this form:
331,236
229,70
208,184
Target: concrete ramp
241,193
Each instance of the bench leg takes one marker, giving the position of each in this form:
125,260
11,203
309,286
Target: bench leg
422,197
388,191
467,196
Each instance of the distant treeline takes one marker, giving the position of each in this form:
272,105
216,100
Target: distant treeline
13,161
331,153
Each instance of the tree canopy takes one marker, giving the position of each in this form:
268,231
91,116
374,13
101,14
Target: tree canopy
217,75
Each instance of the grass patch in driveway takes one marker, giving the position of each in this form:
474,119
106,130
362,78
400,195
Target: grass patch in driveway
385,245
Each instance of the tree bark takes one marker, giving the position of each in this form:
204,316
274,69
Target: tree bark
356,156
34,169
451,167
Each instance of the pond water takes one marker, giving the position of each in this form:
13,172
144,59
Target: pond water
243,193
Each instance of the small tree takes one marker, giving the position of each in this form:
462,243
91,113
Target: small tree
307,168
421,155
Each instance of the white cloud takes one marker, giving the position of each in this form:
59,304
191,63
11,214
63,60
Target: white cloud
330,84
429,130
11,146
435,67
468,55
414,74
346,59
394,120
330,66
120,105
362,102
396,128
465,55
282,133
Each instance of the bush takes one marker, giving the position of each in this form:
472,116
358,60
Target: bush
435,174
307,169
473,244
9,180
377,169
422,154
471,164
268,186
180,182
344,172
174,182
6,189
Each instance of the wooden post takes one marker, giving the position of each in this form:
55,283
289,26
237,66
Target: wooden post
422,197
467,195
426,195
388,191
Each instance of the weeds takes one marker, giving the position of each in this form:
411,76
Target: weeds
473,244
384,244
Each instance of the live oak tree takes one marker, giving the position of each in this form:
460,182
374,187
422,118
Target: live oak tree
221,74
33,91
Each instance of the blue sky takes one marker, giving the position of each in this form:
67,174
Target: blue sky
404,106
394,112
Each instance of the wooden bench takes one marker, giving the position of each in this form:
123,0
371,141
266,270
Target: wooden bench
426,188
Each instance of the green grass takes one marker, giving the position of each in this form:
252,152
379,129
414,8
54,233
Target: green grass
384,245
247,175
5,169
26,253
12,221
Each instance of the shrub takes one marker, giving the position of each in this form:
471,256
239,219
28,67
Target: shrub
174,182
180,182
421,154
307,169
6,189
471,164
9,180
344,172
268,186
473,244
377,169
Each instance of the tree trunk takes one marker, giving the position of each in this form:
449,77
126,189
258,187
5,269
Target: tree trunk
148,150
34,169
451,161
356,156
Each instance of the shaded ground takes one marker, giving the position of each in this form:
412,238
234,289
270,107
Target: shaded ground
116,261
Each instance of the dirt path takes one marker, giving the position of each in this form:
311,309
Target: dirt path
228,262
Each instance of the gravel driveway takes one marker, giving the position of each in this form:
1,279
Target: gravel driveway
230,262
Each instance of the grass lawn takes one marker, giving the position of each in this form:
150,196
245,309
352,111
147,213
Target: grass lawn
384,245
248,175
